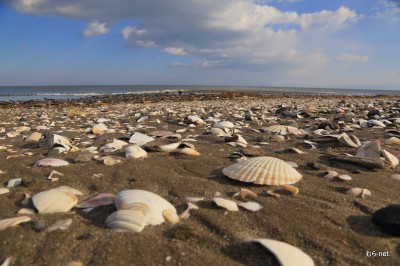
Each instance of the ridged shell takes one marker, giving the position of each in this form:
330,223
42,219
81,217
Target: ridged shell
54,200
127,221
263,171
128,199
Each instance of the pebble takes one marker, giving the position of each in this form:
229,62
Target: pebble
83,157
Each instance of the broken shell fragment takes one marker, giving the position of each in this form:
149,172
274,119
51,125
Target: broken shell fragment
226,204
286,254
246,193
101,199
355,192
59,225
263,171
186,213
390,158
250,206
347,141
54,200
4,190
344,177
330,175
291,189
134,151
10,222
99,129
140,139
109,160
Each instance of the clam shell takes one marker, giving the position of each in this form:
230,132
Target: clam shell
10,222
127,221
250,206
390,158
140,139
392,141
263,171
51,162
54,200
226,204
134,151
224,124
286,254
344,177
128,199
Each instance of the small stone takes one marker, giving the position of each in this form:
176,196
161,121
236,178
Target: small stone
388,218
83,157
38,225
53,152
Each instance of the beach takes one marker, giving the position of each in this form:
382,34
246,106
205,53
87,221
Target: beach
327,224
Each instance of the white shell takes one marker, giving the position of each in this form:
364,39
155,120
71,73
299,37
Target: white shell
392,141
250,205
371,149
54,200
10,222
140,139
283,130
347,141
109,160
264,171
168,147
127,221
374,122
344,177
60,225
134,151
395,176
286,254
51,162
331,174
186,213
218,132
99,128
362,192
128,199
4,190
195,119
390,158
224,124
227,204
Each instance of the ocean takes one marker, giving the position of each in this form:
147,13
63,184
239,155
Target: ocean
25,93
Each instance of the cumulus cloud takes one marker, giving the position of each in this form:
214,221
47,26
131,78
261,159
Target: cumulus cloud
352,58
223,33
94,28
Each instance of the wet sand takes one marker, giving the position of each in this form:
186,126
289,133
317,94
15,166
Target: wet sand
331,227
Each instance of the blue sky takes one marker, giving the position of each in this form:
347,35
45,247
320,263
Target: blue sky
345,44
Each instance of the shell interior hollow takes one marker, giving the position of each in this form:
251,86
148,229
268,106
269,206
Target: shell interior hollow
263,171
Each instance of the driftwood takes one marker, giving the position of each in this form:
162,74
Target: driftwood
365,162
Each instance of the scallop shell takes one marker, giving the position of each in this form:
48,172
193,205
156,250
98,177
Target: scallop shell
263,171
54,200
286,254
134,151
129,199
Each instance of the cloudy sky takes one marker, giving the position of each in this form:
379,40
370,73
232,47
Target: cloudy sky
306,43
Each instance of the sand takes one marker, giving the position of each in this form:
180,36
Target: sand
328,225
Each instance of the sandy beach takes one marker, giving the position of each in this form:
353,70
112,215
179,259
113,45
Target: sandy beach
332,227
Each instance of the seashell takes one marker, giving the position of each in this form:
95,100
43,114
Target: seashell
224,124
193,199
250,206
218,132
99,129
237,157
394,176
109,160
195,119
27,196
184,149
162,133
129,199
34,137
330,175
50,162
142,119
347,141
392,141
374,122
26,211
10,222
134,151
283,130
371,149
186,213
344,177
69,190
295,150
170,216
101,199
15,182
167,147
390,158
292,164
127,220
55,200
54,172
263,171
237,139
355,192
291,189
310,144
115,145
4,190
59,225
226,204
286,254
140,139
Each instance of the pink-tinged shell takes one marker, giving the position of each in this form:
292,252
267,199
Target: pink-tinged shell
102,199
161,133
263,171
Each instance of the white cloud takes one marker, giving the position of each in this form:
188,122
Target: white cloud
175,50
352,58
94,28
222,34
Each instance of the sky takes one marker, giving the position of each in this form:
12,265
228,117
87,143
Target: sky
296,43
